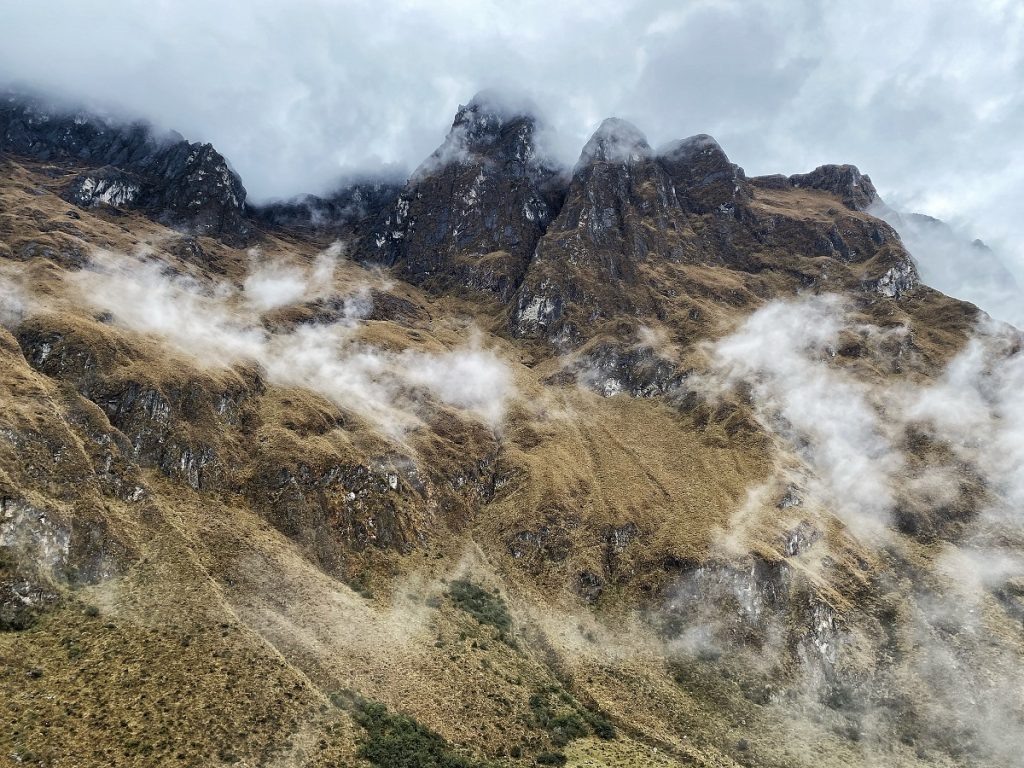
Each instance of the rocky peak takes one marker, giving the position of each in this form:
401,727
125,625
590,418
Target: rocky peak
844,181
614,141
472,213
131,166
705,179
619,212
487,118
488,127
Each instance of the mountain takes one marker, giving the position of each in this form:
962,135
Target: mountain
129,166
642,462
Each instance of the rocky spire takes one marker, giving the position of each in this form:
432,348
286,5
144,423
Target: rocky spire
704,178
472,213
619,212
615,141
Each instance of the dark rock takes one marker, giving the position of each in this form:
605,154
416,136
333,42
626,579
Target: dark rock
107,186
63,252
178,183
844,181
189,249
704,178
546,543
472,213
341,212
589,586
771,181
619,211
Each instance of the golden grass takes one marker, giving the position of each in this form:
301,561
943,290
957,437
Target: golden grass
221,637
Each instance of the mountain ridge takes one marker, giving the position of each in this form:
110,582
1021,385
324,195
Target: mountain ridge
668,474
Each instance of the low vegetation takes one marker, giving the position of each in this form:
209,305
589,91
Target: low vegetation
394,740
554,710
486,607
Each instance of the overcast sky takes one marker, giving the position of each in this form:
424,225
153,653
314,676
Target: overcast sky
926,97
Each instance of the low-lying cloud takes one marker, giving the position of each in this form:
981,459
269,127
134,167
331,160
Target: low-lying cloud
12,302
780,354
953,648
958,264
220,325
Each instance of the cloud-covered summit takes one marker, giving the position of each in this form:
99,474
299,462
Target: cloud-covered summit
926,97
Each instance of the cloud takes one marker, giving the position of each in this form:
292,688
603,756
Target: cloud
976,408
219,326
297,94
955,624
958,264
12,303
780,353
275,283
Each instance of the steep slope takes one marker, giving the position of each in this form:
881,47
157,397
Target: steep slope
472,213
682,489
638,227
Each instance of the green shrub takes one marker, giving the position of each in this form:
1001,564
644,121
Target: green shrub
551,758
486,607
397,741
557,712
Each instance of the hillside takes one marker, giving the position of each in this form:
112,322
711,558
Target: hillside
643,462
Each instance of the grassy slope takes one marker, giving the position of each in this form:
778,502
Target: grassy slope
220,640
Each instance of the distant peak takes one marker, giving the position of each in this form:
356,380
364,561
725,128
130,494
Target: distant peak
844,181
501,104
686,149
482,120
615,141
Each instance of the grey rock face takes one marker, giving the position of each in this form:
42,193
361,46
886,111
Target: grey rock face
610,370
177,182
898,279
472,213
107,186
39,551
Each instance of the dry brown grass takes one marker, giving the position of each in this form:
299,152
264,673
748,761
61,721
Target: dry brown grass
221,637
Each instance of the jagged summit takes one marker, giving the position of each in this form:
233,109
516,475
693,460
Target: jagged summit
687,148
614,141
483,119
471,214
704,177
183,184
490,126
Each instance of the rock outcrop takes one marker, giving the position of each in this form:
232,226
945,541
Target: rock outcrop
187,185
341,212
472,213
620,210
844,181
635,221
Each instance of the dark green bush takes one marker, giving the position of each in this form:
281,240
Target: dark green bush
486,607
397,741
554,710
551,758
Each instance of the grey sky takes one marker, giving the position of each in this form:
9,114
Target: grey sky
926,97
